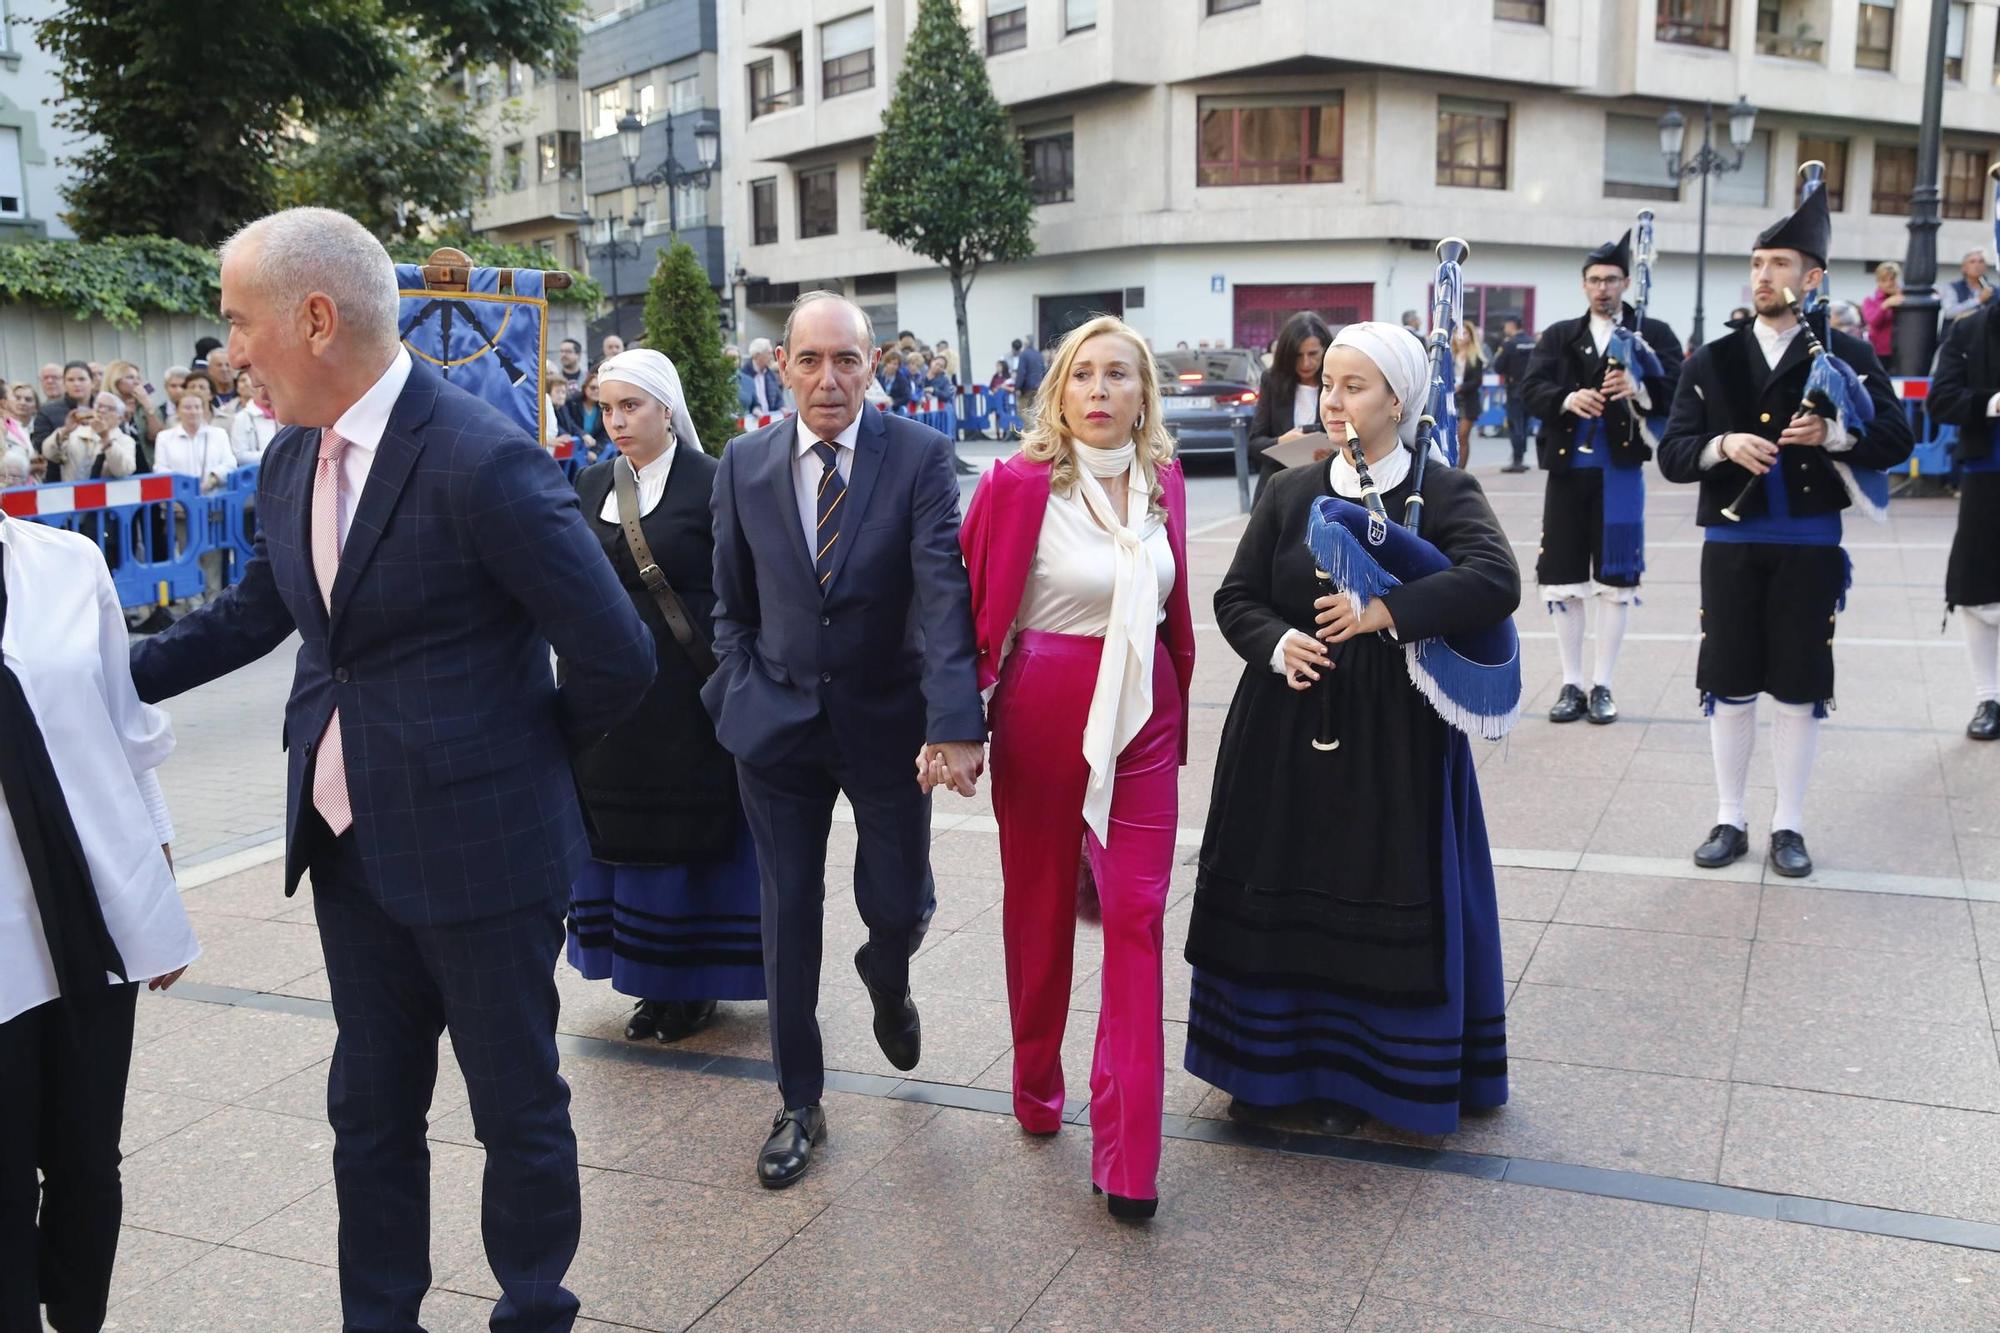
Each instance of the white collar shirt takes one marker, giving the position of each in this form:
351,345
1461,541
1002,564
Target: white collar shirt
1774,341
1600,331
652,485
807,470
65,642
362,425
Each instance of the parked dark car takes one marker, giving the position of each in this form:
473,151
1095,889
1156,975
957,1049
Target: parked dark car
1203,392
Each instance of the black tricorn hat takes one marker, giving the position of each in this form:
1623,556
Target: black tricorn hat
1809,230
1617,252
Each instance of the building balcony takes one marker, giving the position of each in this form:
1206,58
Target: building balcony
533,202
643,35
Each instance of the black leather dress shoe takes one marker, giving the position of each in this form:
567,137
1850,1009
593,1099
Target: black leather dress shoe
1726,843
898,1029
645,1021
1602,710
1569,705
1985,724
1788,854
1515,467
789,1150
683,1018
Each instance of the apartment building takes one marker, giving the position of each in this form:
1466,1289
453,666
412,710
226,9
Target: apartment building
654,61
532,190
33,173
1205,167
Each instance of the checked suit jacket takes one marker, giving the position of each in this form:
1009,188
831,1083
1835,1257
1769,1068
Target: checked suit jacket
466,560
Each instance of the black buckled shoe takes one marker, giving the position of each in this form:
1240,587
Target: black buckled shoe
1788,854
683,1018
645,1021
1602,710
899,1030
789,1151
1985,724
1569,705
1726,844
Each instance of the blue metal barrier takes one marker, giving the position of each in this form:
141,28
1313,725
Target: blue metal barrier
153,529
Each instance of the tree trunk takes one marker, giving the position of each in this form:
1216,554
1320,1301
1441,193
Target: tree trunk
959,287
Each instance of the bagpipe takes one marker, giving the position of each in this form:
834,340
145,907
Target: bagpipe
1832,388
1627,348
1471,680
485,329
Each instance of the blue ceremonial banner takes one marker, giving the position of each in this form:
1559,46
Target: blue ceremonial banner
490,340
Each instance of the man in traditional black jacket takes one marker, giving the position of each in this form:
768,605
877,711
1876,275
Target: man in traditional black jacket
1594,446
1773,574
1965,392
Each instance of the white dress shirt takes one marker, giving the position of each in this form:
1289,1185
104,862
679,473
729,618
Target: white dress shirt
1600,338
362,425
66,643
807,470
1773,342
652,485
205,455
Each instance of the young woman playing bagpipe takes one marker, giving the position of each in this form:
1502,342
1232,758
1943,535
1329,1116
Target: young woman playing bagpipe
1345,937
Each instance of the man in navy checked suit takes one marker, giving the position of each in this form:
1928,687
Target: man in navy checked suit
428,554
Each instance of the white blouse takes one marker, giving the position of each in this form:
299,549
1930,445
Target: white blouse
65,641
652,485
1069,587
1305,405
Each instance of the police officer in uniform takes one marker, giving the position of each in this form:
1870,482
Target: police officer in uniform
1594,446
1773,578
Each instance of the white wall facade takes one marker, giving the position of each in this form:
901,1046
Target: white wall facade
1130,91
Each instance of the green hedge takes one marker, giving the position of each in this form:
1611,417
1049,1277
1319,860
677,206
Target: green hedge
122,280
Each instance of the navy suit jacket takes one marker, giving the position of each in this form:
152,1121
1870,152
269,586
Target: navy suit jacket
466,559
887,652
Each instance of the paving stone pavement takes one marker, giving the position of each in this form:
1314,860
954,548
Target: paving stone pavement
1738,1103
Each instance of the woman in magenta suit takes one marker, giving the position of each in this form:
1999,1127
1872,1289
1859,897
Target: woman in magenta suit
1077,551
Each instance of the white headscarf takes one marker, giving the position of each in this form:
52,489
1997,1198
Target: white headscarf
655,374
1401,358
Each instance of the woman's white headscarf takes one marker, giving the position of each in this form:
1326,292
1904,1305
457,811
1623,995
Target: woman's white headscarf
655,374
1401,358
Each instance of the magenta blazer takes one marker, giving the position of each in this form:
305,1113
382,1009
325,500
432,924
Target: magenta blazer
1003,525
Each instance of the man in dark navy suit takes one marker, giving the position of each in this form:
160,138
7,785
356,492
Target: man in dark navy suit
428,554
843,630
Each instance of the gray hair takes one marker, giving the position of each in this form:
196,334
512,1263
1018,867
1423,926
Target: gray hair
300,251
812,298
111,400
762,346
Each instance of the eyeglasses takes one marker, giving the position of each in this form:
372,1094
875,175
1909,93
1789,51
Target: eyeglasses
1612,281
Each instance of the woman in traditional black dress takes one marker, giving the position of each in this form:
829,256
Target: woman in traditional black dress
1345,937
667,907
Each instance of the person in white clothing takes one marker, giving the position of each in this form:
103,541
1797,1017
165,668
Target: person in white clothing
194,448
255,424
88,911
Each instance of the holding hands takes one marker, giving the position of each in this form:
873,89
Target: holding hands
956,765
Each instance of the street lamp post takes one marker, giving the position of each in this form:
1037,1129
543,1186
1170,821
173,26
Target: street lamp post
612,249
1707,161
670,174
1916,329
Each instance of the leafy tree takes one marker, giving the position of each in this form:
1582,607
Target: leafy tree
393,164
949,180
185,101
117,281
682,322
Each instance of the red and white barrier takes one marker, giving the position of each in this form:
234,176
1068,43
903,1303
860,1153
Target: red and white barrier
37,501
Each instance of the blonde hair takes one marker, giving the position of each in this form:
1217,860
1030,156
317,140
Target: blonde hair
118,370
1890,267
1048,440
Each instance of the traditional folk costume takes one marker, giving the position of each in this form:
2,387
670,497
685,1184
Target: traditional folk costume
667,908
1774,578
1345,935
1594,507
1965,392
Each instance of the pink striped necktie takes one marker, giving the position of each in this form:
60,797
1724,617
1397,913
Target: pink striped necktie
330,772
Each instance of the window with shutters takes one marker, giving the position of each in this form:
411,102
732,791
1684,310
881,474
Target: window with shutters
847,55
1965,183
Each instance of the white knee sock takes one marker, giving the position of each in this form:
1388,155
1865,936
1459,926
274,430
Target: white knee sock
1568,615
1612,615
1982,644
1732,731
1794,742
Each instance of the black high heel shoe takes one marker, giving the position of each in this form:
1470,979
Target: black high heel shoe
1127,1210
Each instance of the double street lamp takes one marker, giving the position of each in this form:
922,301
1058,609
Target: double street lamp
614,250
670,174
1707,161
